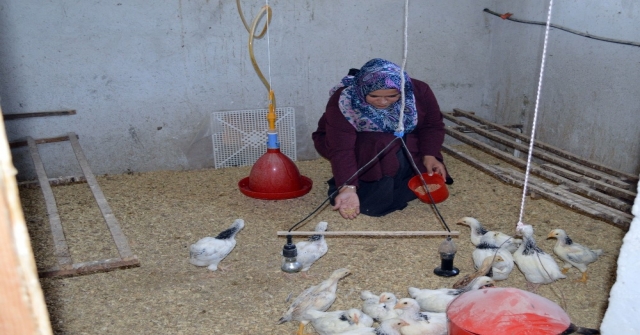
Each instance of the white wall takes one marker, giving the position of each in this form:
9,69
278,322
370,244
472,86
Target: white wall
622,314
144,75
589,98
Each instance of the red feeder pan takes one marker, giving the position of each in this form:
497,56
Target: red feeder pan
437,188
275,177
505,311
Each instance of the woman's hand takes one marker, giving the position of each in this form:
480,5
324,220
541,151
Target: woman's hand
347,203
434,165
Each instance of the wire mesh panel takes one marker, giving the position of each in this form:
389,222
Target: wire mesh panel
240,137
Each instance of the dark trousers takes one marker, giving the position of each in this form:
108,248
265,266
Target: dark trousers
389,194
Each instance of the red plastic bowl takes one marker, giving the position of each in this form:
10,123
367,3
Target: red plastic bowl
437,188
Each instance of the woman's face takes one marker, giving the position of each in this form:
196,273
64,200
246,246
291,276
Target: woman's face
382,99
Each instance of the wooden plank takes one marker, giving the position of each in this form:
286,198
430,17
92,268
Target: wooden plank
91,267
489,128
60,243
17,144
555,150
112,223
370,233
539,154
60,181
8,117
22,305
607,188
564,192
15,314
574,186
585,206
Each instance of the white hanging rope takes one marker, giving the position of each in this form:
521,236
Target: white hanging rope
400,129
535,117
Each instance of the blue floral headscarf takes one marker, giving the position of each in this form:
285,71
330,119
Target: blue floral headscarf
377,74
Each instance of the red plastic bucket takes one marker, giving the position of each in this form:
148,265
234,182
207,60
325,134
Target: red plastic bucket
436,185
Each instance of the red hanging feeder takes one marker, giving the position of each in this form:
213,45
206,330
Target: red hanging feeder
505,311
274,176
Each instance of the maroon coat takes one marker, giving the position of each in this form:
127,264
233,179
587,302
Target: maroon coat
348,150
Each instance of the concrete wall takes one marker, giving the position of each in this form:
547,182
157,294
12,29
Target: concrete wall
144,76
588,103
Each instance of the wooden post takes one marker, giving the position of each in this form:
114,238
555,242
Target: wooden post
23,308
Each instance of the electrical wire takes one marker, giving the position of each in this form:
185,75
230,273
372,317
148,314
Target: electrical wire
605,39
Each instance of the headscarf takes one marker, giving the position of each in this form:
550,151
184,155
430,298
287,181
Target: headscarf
377,74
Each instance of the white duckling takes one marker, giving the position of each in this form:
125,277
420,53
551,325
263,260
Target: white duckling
437,300
380,307
484,270
318,297
312,249
329,323
478,232
209,251
488,249
420,323
537,266
572,253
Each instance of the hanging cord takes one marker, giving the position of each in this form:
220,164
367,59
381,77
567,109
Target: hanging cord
507,16
346,183
266,25
424,185
535,117
271,115
400,130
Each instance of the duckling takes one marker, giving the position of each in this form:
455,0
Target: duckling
318,297
572,253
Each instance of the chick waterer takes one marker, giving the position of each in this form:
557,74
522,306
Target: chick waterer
273,176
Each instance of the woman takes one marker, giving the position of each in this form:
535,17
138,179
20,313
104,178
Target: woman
359,122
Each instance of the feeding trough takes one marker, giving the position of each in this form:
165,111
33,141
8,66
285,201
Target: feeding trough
435,186
505,311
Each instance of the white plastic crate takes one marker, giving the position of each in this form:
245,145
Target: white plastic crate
240,137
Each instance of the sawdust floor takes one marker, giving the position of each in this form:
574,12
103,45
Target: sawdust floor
162,213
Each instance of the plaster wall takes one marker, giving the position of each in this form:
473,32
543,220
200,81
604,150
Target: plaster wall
588,103
144,76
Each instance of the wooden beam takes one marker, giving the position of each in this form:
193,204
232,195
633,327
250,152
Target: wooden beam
86,268
370,233
22,143
576,187
565,163
66,267
555,150
60,243
22,305
112,223
8,117
581,204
